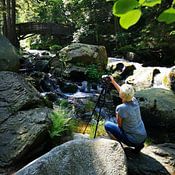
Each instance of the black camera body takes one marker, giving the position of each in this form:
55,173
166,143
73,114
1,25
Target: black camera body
106,78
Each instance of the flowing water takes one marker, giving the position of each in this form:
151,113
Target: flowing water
159,79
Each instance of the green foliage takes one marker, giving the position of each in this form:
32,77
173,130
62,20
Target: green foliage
89,105
121,6
126,21
55,48
167,16
44,42
100,130
93,72
90,129
150,3
130,14
63,103
61,124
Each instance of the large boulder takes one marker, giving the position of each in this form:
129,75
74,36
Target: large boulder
158,112
79,57
80,157
9,59
24,120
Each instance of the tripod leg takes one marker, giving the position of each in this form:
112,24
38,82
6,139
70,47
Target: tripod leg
98,101
98,119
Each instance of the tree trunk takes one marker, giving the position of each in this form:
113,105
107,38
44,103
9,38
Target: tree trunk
9,21
13,23
4,18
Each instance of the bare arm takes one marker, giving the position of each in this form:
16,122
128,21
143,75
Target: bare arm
115,83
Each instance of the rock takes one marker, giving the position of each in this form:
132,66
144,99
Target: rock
9,60
20,132
78,55
172,79
68,87
77,136
153,160
80,157
23,120
42,66
85,54
128,70
76,73
16,95
158,112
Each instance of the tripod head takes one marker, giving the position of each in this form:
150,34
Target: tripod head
106,82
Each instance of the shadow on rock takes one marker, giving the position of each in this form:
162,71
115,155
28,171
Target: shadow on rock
143,164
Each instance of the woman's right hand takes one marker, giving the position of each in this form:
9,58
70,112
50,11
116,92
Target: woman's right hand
112,78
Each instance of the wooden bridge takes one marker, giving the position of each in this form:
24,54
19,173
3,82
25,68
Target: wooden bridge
60,30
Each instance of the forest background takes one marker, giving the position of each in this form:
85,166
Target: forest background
93,22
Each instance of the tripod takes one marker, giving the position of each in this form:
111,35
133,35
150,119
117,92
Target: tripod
100,102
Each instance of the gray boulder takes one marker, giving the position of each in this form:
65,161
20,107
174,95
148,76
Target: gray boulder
79,57
80,157
16,95
9,59
23,120
158,112
20,132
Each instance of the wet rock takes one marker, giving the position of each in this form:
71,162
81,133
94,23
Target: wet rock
42,66
128,70
68,87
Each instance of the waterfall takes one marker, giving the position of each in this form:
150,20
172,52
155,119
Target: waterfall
143,77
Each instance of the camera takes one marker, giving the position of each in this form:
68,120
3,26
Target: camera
106,79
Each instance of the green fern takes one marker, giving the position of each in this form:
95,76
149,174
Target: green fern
60,123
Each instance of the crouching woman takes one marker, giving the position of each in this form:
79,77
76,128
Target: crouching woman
129,128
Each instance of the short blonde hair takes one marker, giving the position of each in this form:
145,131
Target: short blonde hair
127,91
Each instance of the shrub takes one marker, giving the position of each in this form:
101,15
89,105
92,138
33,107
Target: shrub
61,125
55,48
93,73
63,103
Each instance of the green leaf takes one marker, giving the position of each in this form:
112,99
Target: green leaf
130,18
167,16
141,2
173,2
121,7
151,3
172,32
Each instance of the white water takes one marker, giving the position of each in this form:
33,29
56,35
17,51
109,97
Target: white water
158,78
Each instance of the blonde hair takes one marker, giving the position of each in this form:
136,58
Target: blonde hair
127,91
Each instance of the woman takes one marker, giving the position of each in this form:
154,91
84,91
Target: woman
129,128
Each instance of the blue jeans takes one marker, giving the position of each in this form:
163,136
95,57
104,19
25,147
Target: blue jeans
117,132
